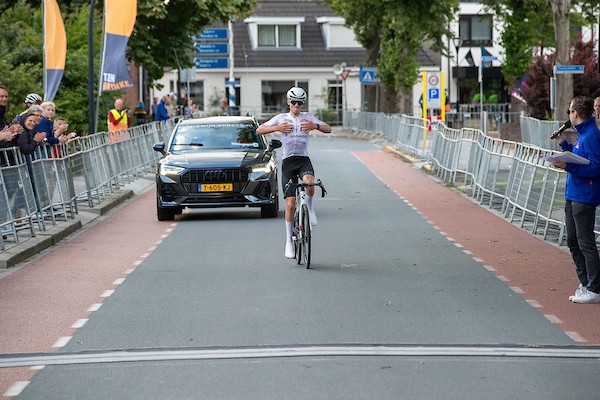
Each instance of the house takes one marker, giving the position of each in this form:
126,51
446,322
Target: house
284,44
304,43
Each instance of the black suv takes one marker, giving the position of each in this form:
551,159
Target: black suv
217,162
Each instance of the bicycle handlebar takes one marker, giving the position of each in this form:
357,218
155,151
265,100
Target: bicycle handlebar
305,185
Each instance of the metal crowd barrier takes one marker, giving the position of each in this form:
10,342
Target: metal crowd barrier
47,186
511,178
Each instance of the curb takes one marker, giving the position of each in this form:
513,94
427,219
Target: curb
409,159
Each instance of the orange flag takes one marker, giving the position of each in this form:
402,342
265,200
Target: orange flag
119,19
55,48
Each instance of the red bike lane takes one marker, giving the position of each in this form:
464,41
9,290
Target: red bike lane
542,273
43,302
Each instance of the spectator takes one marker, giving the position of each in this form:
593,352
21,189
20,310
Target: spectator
3,105
161,110
187,110
140,114
153,108
47,126
118,123
170,103
30,100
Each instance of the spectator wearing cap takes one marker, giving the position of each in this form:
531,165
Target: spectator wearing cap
30,100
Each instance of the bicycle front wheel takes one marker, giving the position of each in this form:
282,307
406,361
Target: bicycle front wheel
297,239
306,235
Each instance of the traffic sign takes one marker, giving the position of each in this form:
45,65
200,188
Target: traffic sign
211,63
488,58
434,90
213,33
211,48
568,69
368,76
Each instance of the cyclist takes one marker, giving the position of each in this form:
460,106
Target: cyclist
294,128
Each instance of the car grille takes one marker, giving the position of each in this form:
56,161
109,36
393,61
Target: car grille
192,178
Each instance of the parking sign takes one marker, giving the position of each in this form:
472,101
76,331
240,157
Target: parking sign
434,90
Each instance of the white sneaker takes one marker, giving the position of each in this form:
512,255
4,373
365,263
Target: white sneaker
289,250
587,297
313,217
578,292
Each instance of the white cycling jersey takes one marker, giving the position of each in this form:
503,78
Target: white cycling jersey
295,143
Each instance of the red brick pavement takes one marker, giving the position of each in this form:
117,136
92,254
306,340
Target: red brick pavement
543,271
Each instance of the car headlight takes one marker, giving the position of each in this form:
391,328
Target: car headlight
259,172
166,169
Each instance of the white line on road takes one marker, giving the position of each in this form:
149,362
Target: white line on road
62,341
79,323
94,307
16,389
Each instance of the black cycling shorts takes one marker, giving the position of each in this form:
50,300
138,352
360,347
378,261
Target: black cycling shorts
293,168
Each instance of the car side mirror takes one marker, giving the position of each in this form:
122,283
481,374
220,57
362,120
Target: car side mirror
274,144
160,147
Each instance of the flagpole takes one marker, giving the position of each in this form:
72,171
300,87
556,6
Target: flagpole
92,116
101,70
44,27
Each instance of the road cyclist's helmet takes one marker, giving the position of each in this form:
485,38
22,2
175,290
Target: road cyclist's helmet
33,98
296,93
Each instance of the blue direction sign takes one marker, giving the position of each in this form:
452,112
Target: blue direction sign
368,75
213,33
211,48
568,69
211,63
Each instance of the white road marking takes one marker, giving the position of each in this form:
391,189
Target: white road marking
94,307
62,341
79,323
16,389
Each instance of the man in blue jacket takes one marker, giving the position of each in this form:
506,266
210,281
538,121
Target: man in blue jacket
582,195
161,110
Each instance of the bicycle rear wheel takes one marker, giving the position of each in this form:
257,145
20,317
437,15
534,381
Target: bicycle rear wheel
306,235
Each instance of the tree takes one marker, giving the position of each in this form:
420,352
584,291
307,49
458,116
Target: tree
537,89
527,28
531,26
163,30
393,31
588,83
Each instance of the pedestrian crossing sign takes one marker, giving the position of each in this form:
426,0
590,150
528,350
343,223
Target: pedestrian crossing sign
368,75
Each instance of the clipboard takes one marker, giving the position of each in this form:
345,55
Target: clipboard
568,157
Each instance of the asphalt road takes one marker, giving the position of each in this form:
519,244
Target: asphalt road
391,308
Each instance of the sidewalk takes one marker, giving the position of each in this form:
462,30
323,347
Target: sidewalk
29,246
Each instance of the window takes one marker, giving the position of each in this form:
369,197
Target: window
476,30
275,32
266,35
287,35
276,35
274,95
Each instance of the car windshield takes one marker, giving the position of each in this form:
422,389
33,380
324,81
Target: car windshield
225,136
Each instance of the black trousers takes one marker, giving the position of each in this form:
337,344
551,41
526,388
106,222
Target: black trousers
580,219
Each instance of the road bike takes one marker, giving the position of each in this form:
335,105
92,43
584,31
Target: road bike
302,233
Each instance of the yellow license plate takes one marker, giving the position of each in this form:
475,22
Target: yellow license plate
216,187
